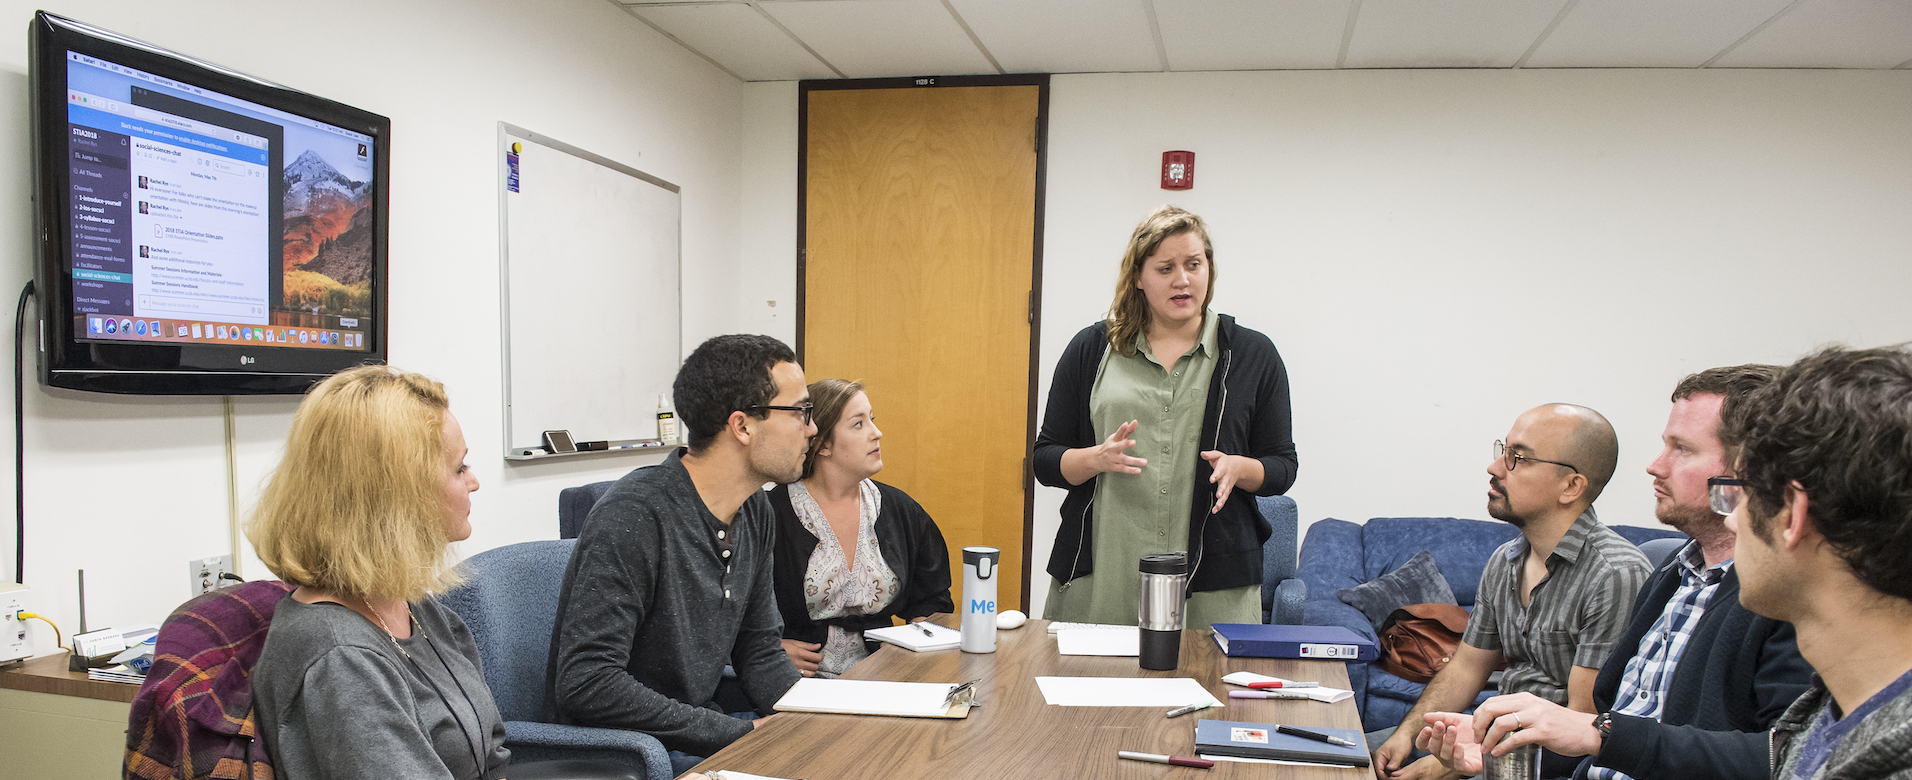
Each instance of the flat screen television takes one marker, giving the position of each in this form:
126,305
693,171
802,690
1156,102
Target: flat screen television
202,232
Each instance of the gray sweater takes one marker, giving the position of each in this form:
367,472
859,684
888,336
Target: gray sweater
335,698
658,597
1880,748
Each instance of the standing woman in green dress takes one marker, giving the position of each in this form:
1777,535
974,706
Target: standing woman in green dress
1164,422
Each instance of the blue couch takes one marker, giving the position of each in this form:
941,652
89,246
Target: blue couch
1282,594
1337,554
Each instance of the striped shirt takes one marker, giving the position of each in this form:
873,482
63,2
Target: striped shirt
1577,612
1649,674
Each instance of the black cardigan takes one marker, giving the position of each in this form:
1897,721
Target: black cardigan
911,544
1247,414
1738,674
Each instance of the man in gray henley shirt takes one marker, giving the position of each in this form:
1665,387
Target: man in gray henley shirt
671,578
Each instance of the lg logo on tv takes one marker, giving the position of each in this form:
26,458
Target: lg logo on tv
247,361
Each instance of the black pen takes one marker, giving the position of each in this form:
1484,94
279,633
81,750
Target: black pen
1314,735
925,630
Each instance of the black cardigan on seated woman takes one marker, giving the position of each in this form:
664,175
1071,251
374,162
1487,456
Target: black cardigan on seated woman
911,544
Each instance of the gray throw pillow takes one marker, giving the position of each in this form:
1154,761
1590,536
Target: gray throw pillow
1419,581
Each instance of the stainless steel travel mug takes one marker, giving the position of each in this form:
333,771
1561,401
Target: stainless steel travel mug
1521,763
979,599
1159,612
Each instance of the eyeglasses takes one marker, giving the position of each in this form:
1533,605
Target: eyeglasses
1725,493
805,409
1513,459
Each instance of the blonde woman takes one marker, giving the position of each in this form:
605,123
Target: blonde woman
851,552
363,674
1164,421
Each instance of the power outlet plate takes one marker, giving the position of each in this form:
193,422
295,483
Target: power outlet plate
15,643
205,572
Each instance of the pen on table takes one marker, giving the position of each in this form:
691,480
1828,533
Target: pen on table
925,629
1198,763
1196,707
1314,735
1268,695
1284,684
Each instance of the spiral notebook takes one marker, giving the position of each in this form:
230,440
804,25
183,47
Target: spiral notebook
912,637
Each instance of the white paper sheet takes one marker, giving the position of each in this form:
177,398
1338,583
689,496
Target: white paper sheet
1323,695
867,697
1126,641
1164,692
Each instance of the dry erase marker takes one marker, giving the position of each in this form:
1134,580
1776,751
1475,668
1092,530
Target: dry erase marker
1196,707
1314,735
1267,695
1198,763
1284,685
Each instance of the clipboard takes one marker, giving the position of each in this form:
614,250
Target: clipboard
871,697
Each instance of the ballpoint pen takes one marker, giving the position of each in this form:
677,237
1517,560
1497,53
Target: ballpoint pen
1198,763
1196,707
1314,735
920,626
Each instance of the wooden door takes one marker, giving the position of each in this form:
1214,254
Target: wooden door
919,220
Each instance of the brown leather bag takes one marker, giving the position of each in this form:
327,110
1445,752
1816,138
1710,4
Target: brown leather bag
1418,640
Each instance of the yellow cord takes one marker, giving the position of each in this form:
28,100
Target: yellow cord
25,615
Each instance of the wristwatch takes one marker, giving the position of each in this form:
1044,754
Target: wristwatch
1604,725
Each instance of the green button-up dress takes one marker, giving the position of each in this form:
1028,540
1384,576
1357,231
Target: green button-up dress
1148,513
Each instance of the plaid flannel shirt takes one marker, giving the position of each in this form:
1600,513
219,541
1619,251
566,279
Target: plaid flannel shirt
193,717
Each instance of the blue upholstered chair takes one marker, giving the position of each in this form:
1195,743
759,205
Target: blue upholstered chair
574,504
1338,554
510,601
1282,593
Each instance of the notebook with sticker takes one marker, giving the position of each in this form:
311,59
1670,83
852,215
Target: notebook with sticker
1260,740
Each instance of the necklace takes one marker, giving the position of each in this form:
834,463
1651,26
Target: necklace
388,629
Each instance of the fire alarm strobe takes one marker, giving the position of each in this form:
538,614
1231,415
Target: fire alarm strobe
1178,170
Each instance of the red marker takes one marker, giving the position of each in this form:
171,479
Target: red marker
1198,763
1284,685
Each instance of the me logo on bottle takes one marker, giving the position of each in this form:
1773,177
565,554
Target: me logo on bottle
980,607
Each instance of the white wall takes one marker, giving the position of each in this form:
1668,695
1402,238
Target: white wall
129,489
1434,252
769,231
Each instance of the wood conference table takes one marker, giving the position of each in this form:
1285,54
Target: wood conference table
1017,734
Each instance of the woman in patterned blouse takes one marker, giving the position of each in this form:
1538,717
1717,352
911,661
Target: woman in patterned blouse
852,553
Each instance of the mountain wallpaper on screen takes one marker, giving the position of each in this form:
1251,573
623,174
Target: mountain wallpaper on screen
328,240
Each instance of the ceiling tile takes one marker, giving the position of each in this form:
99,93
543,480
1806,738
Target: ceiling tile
1831,34
738,38
1252,34
876,38
1063,36
1650,33
1447,34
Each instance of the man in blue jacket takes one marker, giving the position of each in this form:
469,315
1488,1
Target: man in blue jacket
1693,659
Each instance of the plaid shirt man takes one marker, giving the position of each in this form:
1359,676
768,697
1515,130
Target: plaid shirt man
1577,613
1650,673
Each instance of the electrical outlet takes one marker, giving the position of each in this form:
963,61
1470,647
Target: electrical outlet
14,642
205,573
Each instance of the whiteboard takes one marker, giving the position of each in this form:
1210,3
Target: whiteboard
591,308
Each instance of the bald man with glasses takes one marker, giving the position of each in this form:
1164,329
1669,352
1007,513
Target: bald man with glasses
1698,678
1552,602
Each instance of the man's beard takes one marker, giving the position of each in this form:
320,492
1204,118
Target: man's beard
1502,508
1687,518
